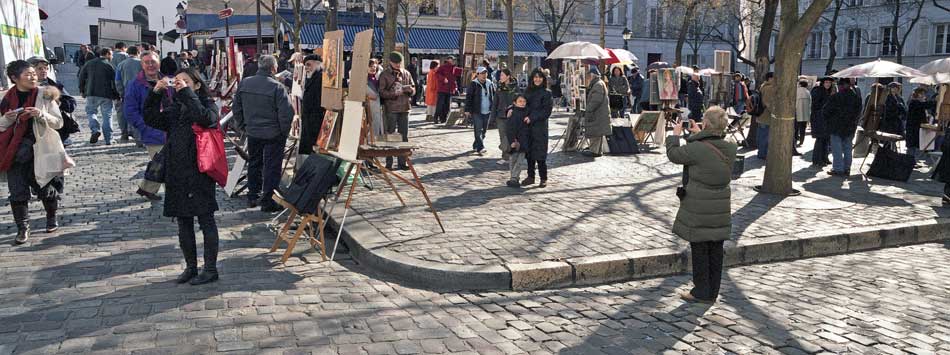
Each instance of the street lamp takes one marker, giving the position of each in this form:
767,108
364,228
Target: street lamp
627,35
378,15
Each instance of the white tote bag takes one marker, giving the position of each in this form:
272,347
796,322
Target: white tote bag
49,156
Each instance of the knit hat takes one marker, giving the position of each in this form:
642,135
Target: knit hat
395,57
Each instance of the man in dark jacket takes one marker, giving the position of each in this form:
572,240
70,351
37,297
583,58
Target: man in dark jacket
636,88
311,111
819,125
262,110
397,89
478,103
842,111
136,92
695,98
413,69
97,85
169,64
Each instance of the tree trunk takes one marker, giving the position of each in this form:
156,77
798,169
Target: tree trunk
762,61
406,30
389,26
833,38
509,15
690,9
788,56
603,20
331,15
462,30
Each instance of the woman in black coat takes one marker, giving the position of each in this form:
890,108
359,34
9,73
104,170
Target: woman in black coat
916,115
819,124
188,192
540,104
895,111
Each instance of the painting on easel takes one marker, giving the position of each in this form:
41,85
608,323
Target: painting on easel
326,131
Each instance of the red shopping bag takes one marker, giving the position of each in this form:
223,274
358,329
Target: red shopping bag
211,157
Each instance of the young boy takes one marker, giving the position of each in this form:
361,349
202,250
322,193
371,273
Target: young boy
519,133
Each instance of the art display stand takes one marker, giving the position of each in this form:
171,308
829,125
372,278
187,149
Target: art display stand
871,139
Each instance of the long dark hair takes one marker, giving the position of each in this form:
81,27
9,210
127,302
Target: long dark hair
544,83
193,74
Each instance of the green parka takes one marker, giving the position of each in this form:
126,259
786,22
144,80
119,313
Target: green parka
705,213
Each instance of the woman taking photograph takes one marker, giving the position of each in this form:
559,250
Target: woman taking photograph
540,104
188,192
30,113
504,97
704,218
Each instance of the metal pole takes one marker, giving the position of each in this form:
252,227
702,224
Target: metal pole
372,26
260,41
227,24
625,45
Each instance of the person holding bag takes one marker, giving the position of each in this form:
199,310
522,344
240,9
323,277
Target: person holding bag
704,218
189,193
30,118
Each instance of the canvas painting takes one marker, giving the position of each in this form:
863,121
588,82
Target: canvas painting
332,49
668,83
326,131
722,61
349,142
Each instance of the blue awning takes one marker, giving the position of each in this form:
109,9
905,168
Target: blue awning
433,40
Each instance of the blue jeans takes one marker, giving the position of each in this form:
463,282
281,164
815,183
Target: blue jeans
101,105
481,126
264,168
841,152
762,140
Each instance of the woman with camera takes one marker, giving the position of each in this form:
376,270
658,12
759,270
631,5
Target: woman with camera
704,218
189,193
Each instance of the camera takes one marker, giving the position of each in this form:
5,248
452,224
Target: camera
686,125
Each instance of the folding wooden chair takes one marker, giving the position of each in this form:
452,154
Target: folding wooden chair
316,235
736,128
645,127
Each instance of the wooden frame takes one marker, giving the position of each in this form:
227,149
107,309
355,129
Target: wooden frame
317,235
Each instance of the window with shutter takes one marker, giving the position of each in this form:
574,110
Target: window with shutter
923,42
941,39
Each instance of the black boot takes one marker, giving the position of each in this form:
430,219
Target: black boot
186,241
209,229
51,205
21,216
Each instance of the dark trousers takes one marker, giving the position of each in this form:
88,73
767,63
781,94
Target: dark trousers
186,240
442,107
22,184
309,131
800,131
820,152
397,121
707,269
542,168
264,168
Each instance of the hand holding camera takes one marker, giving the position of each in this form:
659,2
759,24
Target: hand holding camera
162,84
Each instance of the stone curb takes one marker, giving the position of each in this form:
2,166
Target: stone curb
365,243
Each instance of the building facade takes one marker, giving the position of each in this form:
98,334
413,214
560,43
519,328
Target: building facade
866,32
71,23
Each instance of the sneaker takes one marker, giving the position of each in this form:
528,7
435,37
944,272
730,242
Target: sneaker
527,182
513,183
94,138
502,162
543,184
253,201
124,138
483,151
477,152
148,195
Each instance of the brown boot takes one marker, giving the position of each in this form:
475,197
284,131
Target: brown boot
51,205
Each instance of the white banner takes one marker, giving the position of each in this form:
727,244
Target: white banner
20,34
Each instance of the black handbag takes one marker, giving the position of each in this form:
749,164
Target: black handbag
892,165
155,171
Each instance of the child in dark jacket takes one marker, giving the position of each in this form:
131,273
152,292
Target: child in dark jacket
519,134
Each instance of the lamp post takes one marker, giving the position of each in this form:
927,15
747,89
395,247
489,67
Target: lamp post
627,35
227,22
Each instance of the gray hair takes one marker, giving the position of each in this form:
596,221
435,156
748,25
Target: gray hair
267,64
715,120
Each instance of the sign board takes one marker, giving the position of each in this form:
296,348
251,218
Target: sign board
332,96
362,52
723,61
223,14
474,50
20,33
113,31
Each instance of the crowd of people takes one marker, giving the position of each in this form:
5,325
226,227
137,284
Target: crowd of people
159,102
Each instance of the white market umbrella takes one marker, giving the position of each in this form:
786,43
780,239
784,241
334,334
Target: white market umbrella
937,66
579,50
932,79
685,70
879,69
708,72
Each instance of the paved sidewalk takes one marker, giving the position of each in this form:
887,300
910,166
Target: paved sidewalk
605,208
104,284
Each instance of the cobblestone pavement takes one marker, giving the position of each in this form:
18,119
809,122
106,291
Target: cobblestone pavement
104,284
609,205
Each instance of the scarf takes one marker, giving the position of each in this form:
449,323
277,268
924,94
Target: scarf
10,139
